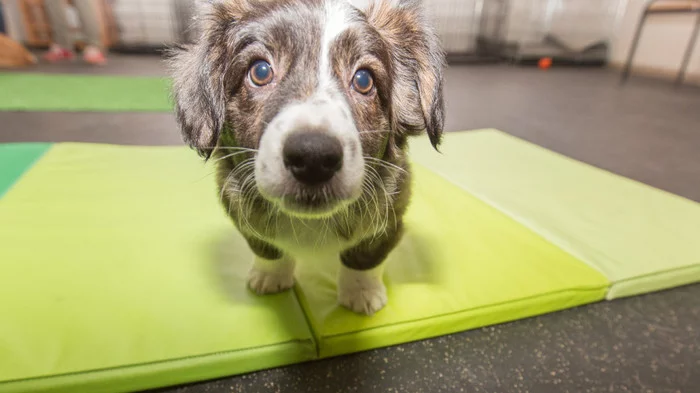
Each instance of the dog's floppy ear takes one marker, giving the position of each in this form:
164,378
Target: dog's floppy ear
199,71
418,63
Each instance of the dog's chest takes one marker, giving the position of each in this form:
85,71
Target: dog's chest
307,237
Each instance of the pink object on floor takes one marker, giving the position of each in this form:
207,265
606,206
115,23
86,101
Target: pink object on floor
94,56
57,53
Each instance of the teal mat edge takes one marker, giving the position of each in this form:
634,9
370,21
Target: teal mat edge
16,159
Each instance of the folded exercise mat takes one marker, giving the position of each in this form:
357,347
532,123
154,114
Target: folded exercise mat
57,92
120,271
643,239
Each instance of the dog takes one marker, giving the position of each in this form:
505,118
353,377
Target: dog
306,107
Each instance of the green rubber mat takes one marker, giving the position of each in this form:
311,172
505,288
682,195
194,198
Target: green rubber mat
123,272
643,239
55,92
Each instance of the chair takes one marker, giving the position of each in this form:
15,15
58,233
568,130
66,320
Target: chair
656,7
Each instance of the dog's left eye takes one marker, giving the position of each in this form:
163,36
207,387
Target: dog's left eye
261,73
362,81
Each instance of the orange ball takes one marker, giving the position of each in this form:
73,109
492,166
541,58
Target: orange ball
545,63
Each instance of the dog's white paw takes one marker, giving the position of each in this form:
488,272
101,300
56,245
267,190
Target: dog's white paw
267,277
363,301
362,291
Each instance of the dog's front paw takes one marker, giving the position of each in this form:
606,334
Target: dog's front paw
262,282
363,301
267,277
362,291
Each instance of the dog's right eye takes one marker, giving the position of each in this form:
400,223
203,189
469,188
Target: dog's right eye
261,73
362,81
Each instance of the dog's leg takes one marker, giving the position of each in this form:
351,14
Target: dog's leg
360,285
362,291
271,276
272,271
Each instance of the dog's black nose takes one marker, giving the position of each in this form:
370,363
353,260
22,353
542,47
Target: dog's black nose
312,157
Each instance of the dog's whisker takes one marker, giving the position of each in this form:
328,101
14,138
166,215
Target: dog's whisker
381,226
204,177
249,198
374,217
294,232
387,198
230,155
223,187
230,148
386,164
373,131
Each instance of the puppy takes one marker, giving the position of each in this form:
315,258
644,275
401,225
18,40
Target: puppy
306,106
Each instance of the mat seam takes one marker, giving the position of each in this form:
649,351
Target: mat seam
571,290
316,338
592,167
673,270
525,223
517,219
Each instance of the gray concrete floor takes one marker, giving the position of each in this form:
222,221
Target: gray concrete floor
646,130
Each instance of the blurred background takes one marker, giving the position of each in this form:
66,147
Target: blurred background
548,71
578,32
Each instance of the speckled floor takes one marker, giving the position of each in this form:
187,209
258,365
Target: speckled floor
646,131
648,344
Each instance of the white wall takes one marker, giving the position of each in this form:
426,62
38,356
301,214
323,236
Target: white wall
662,44
456,21
576,22
145,21
660,50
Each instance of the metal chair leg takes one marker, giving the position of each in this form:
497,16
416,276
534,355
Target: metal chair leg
688,52
633,49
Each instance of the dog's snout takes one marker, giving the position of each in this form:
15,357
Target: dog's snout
312,157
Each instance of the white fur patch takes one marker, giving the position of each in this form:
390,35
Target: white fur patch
336,21
360,4
268,276
330,114
364,4
362,291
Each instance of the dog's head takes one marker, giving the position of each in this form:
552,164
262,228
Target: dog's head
318,90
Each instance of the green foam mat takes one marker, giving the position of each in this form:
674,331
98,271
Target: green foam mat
55,92
123,272
643,239
462,264
116,275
